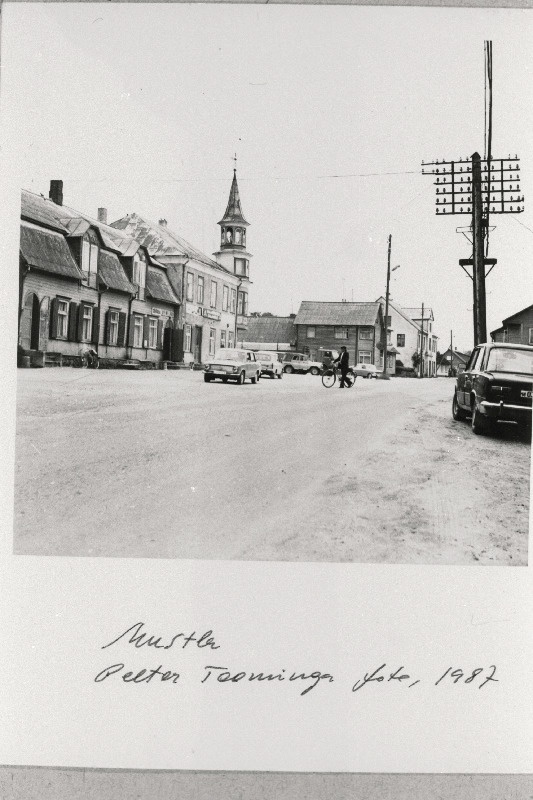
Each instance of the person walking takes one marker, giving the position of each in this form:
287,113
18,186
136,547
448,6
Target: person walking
343,362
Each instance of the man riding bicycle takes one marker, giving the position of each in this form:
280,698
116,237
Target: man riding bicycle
343,362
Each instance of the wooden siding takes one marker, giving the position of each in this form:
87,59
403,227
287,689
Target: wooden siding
325,338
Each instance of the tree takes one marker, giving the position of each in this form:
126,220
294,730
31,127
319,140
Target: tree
415,358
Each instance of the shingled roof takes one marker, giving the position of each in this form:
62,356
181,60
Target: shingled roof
270,329
111,272
320,313
158,286
36,208
233,213
47,250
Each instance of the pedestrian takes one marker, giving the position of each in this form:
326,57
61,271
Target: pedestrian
91,358
343,362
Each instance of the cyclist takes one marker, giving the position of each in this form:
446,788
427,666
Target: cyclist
343,362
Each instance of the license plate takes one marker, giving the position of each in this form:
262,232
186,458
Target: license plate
526,393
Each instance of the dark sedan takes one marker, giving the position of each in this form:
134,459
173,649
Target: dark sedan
496,385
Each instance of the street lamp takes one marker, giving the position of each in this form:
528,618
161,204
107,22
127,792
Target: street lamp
384,375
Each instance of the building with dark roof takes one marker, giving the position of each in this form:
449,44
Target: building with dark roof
517,329
269,333
86,286
357,326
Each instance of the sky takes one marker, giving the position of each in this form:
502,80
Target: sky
330,110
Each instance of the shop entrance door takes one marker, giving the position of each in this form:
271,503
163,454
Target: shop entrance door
198,344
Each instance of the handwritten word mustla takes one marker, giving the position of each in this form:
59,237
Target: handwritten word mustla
140,639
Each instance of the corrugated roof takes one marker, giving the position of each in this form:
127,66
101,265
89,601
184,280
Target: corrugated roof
36,208
111,272
160,241
233,211
158,287
319,313
269,329
47,250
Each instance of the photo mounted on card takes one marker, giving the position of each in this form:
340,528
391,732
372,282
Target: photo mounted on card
215,239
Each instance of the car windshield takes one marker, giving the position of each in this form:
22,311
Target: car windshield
503,359
230,355
264,357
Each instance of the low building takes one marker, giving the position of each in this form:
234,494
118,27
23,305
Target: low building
451,362
329,325
516,329
84,286
269,333
403,334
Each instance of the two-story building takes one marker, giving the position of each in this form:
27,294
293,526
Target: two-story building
329,325
427,343
516,329
84,286
214,291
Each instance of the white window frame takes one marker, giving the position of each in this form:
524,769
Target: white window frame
200,290
139,272
241,267
398,340
341,332
222,338
187,338
62,318
364,357
87,323
112,334
85,255
231,339
214,293
311,332
138,330
152,332
212,341
93,258
189,292
365,334
225,297
242,304
233,301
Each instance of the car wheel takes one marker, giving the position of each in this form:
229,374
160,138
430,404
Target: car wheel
480,423
289,369
224,380
314,371
208,378
457,412
254,378
241,378
280,375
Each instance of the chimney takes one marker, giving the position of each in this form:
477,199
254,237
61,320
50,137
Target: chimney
56,192
102,215
163,223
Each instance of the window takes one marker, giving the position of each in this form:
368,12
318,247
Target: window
137,330
87,323
242,306
365,333
212,341
62,319
531,336
93,259
341,333
241,266
190,287
112,332
139,272
400,340
222,338
188,338
311,331
233,301
225,298
231,339
152,333
200,290
85,255
213,301
365,357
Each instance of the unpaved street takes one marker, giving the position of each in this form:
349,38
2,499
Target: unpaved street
160,464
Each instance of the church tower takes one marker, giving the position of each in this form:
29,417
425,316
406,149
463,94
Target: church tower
233,254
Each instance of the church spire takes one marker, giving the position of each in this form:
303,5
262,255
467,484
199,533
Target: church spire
233,214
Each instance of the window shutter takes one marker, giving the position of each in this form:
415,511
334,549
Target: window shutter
95,338
131,331
74,332
53,318
160,326
122,318
106,326
146,330
177,345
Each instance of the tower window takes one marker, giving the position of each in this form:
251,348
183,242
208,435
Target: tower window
228,236
241,266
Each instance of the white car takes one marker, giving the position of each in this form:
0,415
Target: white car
299,362
270,364
366,370
231,364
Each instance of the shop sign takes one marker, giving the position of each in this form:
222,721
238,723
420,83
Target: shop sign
211,314
160,312
190,308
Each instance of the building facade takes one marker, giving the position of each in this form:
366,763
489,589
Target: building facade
357,326
427,343
269,333
84,287
451,362
516,329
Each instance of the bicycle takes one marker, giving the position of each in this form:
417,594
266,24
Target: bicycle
331,374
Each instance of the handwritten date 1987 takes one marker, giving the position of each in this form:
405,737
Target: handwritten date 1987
399,675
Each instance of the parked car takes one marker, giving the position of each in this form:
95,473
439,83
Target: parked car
299,362
233,365
365,370
270,364
496,384
328,356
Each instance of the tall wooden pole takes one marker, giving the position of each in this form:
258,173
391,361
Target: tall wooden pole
478,271
386,329
421,370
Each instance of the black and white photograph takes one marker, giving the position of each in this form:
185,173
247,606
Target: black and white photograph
229,213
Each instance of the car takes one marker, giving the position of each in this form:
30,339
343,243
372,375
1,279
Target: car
496,385
365,370
231,364
300,362
270,364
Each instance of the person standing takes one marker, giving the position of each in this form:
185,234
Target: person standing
343,362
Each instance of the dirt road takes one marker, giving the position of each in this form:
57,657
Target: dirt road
160,464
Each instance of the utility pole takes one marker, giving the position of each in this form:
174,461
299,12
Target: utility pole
478,255
384,376
421,365
451,353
